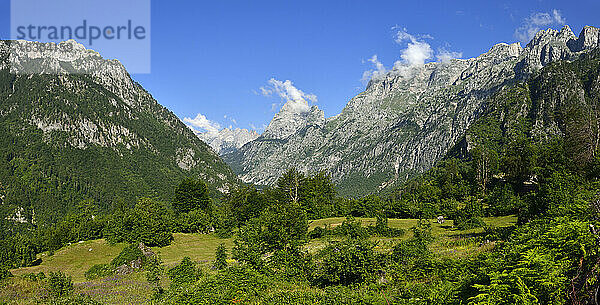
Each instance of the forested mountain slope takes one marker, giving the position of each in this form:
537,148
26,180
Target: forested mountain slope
75,126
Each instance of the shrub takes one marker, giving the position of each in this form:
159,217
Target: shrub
351,228
470,223
382,229
503,201
469,216
422,231
34,277
221,257
291,263
317,232
153,274
4,273
235,285
59,284
149,222
346,262
184,273
410,250
128,254
191,195
98,271
196,221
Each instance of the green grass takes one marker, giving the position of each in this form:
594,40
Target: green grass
77,258
449,241
438,230
199,247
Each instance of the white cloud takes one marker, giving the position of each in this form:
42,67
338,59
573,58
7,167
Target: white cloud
537,22
402,35
203,124
445,56
379,71
295,98
416,52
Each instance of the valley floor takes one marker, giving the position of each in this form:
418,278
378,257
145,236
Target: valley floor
77,258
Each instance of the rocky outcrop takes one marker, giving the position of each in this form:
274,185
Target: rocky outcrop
403,122
228,140
290,120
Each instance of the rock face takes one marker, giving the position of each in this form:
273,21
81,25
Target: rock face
290,120
403,122
227,140
78,127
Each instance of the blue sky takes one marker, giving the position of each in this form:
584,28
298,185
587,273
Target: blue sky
212,57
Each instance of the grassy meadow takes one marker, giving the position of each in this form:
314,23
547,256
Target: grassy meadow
76,259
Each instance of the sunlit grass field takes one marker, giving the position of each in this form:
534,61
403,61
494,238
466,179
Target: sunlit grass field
77,258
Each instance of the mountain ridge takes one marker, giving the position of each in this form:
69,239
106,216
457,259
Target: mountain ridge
406,120
75,126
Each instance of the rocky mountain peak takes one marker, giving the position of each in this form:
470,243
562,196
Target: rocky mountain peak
67,58
227,140
589,38
551,45
293,116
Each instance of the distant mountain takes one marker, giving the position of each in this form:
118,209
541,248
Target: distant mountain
404,121
75,126
227,140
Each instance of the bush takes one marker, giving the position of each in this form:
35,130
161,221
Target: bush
382,229
34,277
235,285
196,221
422,231
184,273
470,223
148,222
503,201
153,274
59,284
221,257
469,217
4,273
347,262
351,228
291,263
99,271
191,195
498,233
318,232
411,249
128,254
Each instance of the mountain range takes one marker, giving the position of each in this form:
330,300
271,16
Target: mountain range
405,120
75,126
